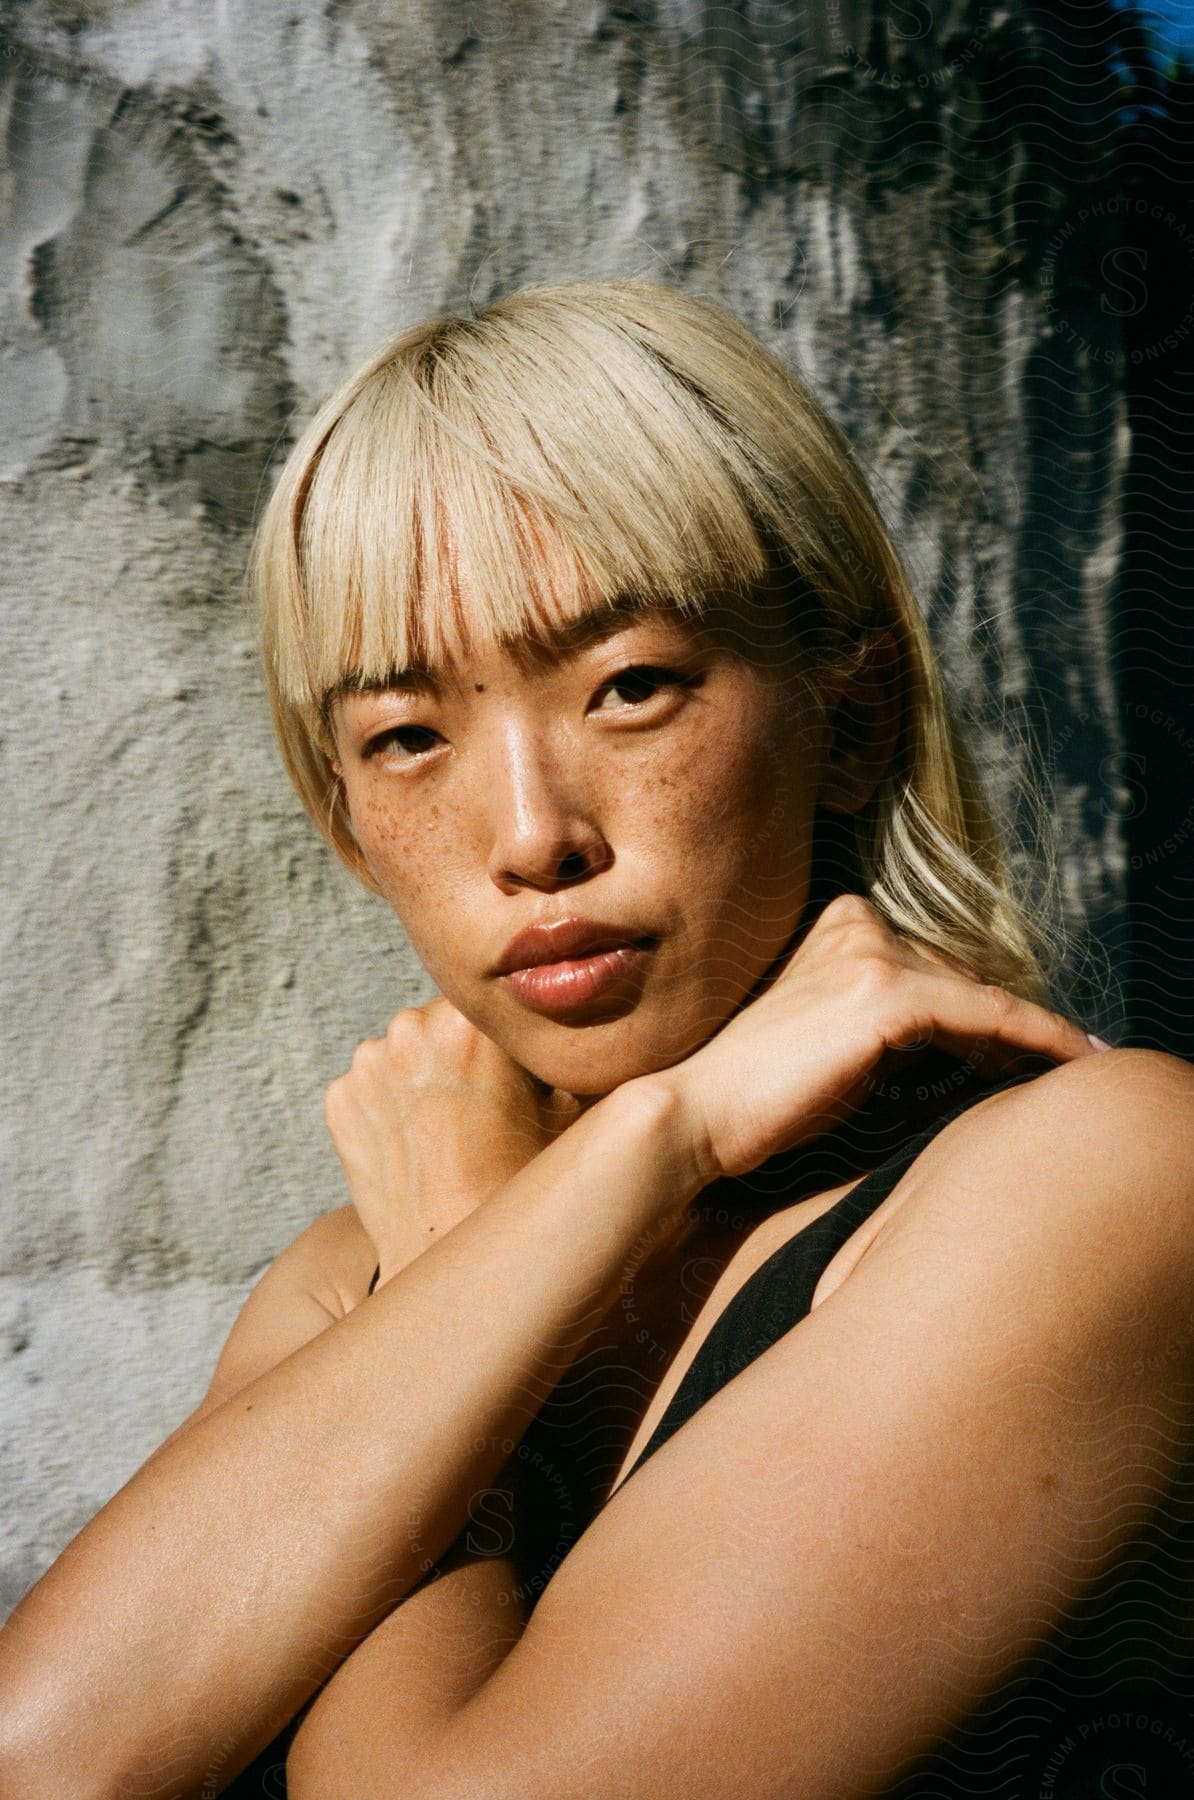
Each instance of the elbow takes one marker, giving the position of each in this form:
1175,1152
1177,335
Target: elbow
31,1770
46,1747
40,1752
54,1744
35,1771
26,1734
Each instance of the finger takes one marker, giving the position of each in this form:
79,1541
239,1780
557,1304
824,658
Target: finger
990,1027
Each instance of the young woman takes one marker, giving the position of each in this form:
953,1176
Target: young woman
762,1315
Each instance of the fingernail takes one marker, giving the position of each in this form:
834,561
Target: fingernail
1098,1042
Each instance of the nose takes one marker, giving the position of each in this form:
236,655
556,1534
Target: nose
542,813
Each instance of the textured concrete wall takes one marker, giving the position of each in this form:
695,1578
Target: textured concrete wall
208,213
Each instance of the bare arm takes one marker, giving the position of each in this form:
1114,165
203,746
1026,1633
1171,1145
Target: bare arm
293,1517
316,1280
449,1632
862,1534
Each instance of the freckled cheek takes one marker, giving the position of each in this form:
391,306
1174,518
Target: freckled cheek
408,851
721,793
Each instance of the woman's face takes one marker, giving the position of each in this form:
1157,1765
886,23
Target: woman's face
658,778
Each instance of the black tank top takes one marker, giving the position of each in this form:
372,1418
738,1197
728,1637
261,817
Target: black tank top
1108,1693
780,1292
1071,1685
770,1302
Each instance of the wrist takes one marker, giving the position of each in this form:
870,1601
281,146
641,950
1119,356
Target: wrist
662,1105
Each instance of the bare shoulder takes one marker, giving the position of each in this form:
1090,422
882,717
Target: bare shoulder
1131,1105
1095,1150
314,1282
337,1258
934,1464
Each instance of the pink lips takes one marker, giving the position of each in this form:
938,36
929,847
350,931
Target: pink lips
561,986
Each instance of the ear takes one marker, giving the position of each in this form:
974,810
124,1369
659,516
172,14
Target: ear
864,727
347,814
322,740
337,773
327,746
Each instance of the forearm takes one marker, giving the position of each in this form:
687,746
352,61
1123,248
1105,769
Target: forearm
427,1658
423,1661
238,1568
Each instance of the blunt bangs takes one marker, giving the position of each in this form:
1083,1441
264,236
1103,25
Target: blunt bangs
487,477
420,537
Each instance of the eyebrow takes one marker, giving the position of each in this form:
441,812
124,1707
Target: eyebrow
566,638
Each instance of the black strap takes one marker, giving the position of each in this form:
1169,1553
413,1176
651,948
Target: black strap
780,1291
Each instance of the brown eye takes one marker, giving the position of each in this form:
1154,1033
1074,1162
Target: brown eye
640,682
399,736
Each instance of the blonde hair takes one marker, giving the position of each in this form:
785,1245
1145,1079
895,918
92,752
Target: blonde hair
594,438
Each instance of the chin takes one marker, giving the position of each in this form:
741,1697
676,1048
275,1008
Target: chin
589,1062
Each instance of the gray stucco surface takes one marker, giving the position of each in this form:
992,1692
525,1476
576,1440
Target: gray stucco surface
208,215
